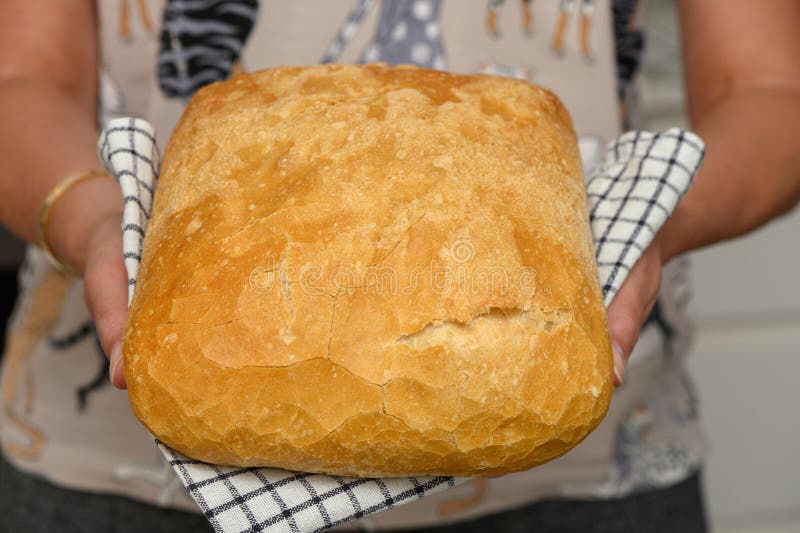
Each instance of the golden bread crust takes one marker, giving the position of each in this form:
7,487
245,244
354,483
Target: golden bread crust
292,307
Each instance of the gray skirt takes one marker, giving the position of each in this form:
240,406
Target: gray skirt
31,504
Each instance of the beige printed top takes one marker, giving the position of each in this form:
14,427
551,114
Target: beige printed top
61,419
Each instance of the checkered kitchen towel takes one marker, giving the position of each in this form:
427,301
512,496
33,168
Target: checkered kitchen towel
630,196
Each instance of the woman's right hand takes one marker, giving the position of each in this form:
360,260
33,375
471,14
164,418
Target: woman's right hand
105,288
85,231
48,111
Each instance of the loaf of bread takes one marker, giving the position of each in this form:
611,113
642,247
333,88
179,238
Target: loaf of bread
370,271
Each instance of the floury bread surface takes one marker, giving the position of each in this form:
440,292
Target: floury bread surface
370,271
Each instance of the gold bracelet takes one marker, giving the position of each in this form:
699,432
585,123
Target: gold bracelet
44,217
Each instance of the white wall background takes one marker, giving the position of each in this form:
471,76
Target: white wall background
746,359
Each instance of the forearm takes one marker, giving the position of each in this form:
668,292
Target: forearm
48,117
47,135
751,173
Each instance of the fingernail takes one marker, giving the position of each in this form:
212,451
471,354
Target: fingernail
619,362
114,360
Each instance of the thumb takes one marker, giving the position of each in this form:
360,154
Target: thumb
630,307
106,292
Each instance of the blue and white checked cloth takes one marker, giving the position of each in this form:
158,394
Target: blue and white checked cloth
630,195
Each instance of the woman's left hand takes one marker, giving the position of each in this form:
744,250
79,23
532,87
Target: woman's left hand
632,304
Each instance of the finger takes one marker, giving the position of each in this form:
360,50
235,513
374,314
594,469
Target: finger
105,291
630,309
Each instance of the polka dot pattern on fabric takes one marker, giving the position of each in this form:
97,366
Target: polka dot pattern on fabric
373,53
421,53
349,30
433,30
334,49
408,31
422,10
400,32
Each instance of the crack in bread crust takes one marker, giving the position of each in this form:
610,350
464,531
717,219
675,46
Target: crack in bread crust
290,309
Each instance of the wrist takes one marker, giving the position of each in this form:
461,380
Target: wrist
681,232
76,213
